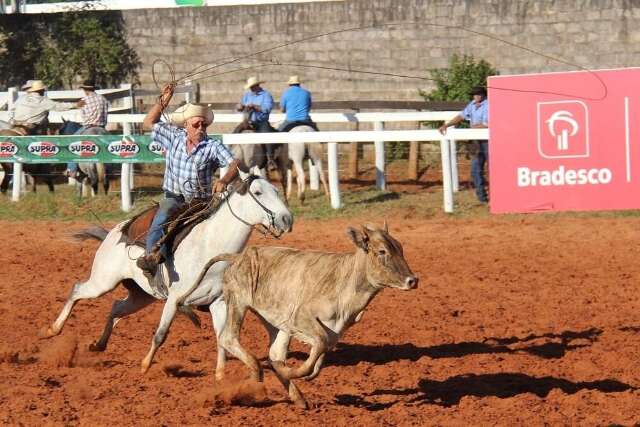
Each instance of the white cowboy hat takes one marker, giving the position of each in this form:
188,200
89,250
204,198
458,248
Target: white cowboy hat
27,85
37,85
252,81
293,80
187,111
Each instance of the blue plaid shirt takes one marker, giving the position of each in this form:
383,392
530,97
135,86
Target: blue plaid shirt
190,175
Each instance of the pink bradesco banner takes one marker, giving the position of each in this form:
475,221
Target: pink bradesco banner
565,141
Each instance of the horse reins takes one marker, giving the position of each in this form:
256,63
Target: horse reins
260,228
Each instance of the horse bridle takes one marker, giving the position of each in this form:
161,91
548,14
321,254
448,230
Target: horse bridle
261,228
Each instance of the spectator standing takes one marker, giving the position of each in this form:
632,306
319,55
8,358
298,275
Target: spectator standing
477,113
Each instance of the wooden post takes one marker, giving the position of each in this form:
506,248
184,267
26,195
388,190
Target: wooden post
353,159
414,154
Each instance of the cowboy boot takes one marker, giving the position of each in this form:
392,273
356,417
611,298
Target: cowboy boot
149,264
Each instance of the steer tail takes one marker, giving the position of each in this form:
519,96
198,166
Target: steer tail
97,233
205,269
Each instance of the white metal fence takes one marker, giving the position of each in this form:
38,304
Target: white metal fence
378,136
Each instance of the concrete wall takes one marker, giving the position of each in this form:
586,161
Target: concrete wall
591,33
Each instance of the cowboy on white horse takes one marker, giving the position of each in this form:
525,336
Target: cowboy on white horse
191,159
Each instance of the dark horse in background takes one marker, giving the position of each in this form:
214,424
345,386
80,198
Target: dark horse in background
46,172
89,173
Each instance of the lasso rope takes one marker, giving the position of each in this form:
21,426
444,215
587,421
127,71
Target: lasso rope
200,72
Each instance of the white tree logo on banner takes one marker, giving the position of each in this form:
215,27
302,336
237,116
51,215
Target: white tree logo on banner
563,129
563,137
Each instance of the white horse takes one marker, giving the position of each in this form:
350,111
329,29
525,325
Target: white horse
226,231
297,155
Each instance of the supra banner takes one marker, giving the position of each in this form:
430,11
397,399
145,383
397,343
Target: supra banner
81,148
565,141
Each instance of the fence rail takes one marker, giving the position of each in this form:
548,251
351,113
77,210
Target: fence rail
379,137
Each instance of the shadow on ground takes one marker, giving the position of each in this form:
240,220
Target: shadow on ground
503,385
547,346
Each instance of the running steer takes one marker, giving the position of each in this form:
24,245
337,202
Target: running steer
312,296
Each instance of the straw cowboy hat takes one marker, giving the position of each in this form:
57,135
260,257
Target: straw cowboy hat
252,81
293,80
27,85
187,111
37,85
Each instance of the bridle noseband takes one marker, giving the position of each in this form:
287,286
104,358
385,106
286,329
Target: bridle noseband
261,228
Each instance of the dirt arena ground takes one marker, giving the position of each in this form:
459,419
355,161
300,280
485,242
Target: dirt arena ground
519,320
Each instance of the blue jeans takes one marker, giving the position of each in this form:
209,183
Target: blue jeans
167,205
477,170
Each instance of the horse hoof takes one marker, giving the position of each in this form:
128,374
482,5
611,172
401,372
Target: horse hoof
46,332
95,347
301,403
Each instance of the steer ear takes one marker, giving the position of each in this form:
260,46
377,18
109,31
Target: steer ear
360,239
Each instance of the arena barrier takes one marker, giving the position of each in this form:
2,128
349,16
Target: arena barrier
378,136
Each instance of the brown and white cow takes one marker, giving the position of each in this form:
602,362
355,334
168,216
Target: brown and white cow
309,295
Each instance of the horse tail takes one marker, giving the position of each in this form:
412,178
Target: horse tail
205,269
97,233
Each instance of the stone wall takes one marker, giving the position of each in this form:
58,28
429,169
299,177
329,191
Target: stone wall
591,33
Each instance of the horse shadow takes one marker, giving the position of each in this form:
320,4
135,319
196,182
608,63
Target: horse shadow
449,392
546,346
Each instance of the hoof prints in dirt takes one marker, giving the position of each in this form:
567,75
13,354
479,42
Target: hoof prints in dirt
450,391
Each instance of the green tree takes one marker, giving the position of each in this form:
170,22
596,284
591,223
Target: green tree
64,48
455,82
89,46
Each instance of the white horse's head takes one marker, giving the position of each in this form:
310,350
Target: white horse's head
261,204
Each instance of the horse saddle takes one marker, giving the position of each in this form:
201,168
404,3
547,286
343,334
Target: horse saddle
177,227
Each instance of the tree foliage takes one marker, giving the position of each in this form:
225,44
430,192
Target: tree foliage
455,82
65,48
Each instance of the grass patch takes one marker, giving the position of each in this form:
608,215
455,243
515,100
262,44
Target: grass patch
65,205
363,201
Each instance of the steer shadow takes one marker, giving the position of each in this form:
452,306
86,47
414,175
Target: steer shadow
546,346
503,385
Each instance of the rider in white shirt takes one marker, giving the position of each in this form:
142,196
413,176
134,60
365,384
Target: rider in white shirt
31,111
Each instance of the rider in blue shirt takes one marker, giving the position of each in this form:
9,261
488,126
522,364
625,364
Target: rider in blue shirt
296,103
257,103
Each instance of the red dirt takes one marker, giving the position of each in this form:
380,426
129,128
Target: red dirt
520,320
